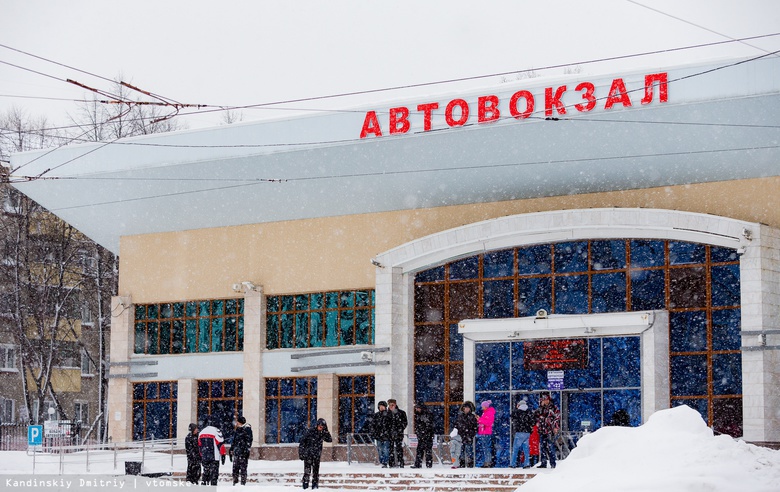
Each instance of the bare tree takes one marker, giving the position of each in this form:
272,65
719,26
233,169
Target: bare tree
55,284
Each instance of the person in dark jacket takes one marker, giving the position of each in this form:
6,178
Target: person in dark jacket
212,451
423,427
239,450
621,418
310,451
397,423
548,420
380,432
193,454
467,426
523,421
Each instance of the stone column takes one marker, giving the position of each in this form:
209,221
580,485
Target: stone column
394,329
328,403
186,407
120,391
254,346
759,269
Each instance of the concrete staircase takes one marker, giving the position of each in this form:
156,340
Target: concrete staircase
500,480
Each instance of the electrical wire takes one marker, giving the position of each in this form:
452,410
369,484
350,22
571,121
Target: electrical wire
539,111
416,171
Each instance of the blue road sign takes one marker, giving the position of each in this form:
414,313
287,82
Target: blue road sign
34,435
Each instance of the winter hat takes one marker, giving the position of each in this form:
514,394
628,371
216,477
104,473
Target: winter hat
382,404
522,405
322,423
193,427
486,403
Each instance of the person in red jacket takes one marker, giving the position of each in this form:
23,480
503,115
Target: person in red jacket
485,432
212,451
533,446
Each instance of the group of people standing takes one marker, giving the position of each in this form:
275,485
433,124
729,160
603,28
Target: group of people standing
206,449
535,432
387,427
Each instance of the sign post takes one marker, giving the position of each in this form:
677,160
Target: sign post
35,437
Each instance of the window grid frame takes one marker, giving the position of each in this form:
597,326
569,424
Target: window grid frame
627,269
172,400
146,320
370,307
309,397
353,395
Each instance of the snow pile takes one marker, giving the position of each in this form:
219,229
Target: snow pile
674,451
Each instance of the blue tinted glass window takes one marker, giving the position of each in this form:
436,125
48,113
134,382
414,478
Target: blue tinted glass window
294,419
621,362
719,255
499,298
345,385
689,375
286,387
534,294
688,331
590,376
571,257
584,406
727,374
491,366
432,275
522,379
301,330
646,253
725,285
533,260
608,293
647,290
498,264
271,387
607,255
465,269
571,294
429,382
361,385
456,344
726,325
629,400
681,253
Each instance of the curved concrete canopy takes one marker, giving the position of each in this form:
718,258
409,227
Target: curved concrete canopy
717,125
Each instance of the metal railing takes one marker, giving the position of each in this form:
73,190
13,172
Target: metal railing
362,449
154,456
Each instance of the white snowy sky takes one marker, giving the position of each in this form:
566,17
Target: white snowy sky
238,53
673,452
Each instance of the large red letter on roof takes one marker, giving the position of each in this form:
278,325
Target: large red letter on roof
371,125
399,120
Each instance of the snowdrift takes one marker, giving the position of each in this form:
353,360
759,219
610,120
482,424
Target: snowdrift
674,451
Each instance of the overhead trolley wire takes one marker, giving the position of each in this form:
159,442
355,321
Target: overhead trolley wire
425,84
404,172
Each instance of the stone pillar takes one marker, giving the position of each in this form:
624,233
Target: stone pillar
655,366
254,346
186,407
759,269
395,329
120,391
328,403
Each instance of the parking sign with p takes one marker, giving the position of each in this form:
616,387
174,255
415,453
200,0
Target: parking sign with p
34,435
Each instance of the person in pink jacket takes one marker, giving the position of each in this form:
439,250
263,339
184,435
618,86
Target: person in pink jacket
485,432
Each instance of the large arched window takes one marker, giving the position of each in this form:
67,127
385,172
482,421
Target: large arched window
698,284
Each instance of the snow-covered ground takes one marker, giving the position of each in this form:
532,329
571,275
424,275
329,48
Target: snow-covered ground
673,452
